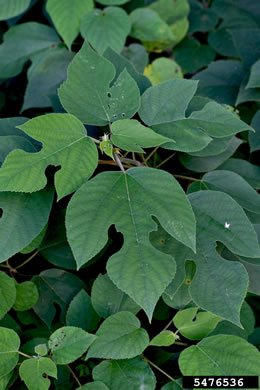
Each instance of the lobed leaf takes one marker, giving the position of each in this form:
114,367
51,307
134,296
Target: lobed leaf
87,93
65,143
126,195
31,371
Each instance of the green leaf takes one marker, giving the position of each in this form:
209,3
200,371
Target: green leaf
24,217
55,286
220,355
250,172
81,313
44,77
120,63
172,386
254,139
163,69
21,42
148,26
41,349
7,293
234,185
201,19
4,380
87,93
221,41
216,280
108,27
97,385
69,343
137,55
129,374
11,8
125,195
67,16
194,133
64,141
247,43
194,325
164,102
228,282
107,299
131,135
31,371
112,2
247,319
221,81
26,296
55,247
175,15
9,346
119,337
205,164
247,94
254,78
164,339
192,56
35,243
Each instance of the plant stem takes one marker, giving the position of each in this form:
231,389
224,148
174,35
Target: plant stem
24,354
150,155
74,375
94,139
112,163
186,178
167,326
165,161
130,161
180,343
29,259
158,368
119,163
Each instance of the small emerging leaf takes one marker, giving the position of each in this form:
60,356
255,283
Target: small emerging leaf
164,339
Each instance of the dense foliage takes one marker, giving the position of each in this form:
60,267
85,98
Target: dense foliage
129,209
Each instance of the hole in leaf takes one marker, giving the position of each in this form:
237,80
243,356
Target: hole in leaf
109,94
123,114
1,212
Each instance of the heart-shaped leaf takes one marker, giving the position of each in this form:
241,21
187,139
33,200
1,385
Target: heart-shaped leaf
119,337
